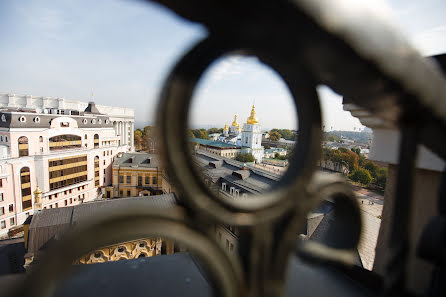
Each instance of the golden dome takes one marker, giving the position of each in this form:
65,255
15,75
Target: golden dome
37,191
253,119
234,123
226,127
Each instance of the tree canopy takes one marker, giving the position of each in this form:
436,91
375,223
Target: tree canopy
245,158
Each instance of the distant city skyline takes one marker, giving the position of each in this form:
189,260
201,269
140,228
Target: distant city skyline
123,50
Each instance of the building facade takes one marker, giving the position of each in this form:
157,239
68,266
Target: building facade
234,141
137,174
64,147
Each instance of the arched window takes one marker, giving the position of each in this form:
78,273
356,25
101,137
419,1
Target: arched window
23,146
40,139
96,171
65,142
85,136
96,140
25,184
6,138
1,138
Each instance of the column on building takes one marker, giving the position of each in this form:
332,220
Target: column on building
132,135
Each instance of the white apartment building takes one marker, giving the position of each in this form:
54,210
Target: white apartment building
64,147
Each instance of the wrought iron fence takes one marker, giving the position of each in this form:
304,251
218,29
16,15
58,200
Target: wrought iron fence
307,43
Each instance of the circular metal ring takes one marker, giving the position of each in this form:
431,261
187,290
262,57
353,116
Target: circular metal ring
173,113
126,224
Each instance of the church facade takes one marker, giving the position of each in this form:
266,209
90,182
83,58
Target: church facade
236,139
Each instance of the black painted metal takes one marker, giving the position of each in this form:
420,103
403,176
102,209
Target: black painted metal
400,225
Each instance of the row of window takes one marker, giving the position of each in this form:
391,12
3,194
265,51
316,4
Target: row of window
56,143
66,192
140,178
2,209
5,138
68,171
68,182
52,163
3,223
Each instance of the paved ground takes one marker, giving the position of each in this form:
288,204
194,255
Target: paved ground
371,205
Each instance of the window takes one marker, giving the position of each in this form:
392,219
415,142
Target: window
25,184
139,180
85,136
11,207
1,196
40,139
3,224
129,179
11,222
154,181
65,142
121,193
147,180
23,146
2,211
66,202
56,205
128,194
231,247
104,162
108,194
71,200
121,179
96,140
1,183
41,149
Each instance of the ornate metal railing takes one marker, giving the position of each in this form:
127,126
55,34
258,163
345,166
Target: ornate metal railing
307,42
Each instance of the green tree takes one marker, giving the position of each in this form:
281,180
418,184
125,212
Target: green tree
381,177
274,135
361,175
200,133
146,130
266,146
372,168
138,139
245,158
356,150
215,130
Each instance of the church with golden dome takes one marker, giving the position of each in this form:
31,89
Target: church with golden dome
235,140
249,138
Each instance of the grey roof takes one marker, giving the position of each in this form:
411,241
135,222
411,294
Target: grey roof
255,181
137,160
48,224
12,117
91,108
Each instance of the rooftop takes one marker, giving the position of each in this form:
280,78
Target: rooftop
213,143
49,224
144,160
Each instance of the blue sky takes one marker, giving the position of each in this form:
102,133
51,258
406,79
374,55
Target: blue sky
122,51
